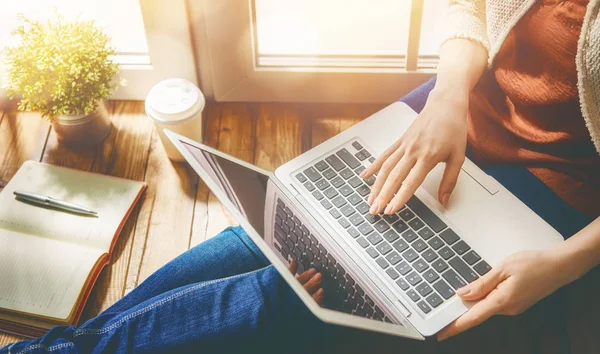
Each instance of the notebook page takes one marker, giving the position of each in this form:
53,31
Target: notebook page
42,276
110,197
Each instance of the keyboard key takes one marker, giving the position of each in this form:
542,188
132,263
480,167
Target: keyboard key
338,201
453,278
300,177
331,193
321,165
436,243
347,210
482,267
391,218
413,278
345,224
426,233
446,252
347,173
419,245
356,219
365,229
366,153
362,242
410,255
360,156
471,257
413,295
416,224
337,182
403,268
353,232
424,289
409,235
402,284
424,307
381,226
312,174
391,272
370,181
348,158
345,190
382,263
444,290
372,252
420,265
390,236
406,214
434,300
357,145
322,184
401,245
317,195
463,269
400,226
384,248
359,170
335,162
449,236
393,258
374,238
363,208
329,173
355,182
326,204
439,265
430,276
363,190
309,186
461,247
432,220
354,199
429,255
335,213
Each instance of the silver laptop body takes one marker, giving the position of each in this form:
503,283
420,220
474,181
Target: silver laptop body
396,274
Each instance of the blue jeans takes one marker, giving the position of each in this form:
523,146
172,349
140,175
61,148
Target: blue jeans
224,296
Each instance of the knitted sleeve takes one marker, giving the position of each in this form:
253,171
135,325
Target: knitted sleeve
467,19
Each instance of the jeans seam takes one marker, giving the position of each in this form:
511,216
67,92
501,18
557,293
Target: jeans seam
46,349
157,304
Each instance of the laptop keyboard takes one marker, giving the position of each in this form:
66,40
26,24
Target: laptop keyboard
425,258
342,293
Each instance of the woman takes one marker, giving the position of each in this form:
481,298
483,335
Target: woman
536,107
223,296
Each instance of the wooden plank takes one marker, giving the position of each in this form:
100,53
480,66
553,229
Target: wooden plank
231,129
283,133
22,137
164,223
124,154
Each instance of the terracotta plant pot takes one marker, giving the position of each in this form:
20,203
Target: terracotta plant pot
83,130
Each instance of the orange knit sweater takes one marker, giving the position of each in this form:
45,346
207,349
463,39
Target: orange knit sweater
525,110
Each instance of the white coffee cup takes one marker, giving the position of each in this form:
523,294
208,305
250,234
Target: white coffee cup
176,104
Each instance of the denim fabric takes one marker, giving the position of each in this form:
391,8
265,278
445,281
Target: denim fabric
223,296
220,296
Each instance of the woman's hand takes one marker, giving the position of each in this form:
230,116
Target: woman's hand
311,280
511,287
438,134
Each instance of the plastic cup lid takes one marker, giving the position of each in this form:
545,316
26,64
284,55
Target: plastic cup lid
173,100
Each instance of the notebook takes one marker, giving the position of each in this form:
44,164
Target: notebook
50,259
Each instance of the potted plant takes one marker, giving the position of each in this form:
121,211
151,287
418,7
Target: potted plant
63,69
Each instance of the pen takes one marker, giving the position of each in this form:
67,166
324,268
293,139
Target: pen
49,201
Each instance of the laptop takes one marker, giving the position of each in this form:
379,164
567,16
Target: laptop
396,274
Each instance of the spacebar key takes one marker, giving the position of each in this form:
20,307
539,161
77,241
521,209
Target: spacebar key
426,214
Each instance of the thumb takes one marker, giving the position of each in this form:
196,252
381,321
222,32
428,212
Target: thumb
482,286
450,177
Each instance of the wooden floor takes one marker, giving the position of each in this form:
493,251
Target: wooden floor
178,212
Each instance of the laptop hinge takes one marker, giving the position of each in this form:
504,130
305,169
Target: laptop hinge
402,308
